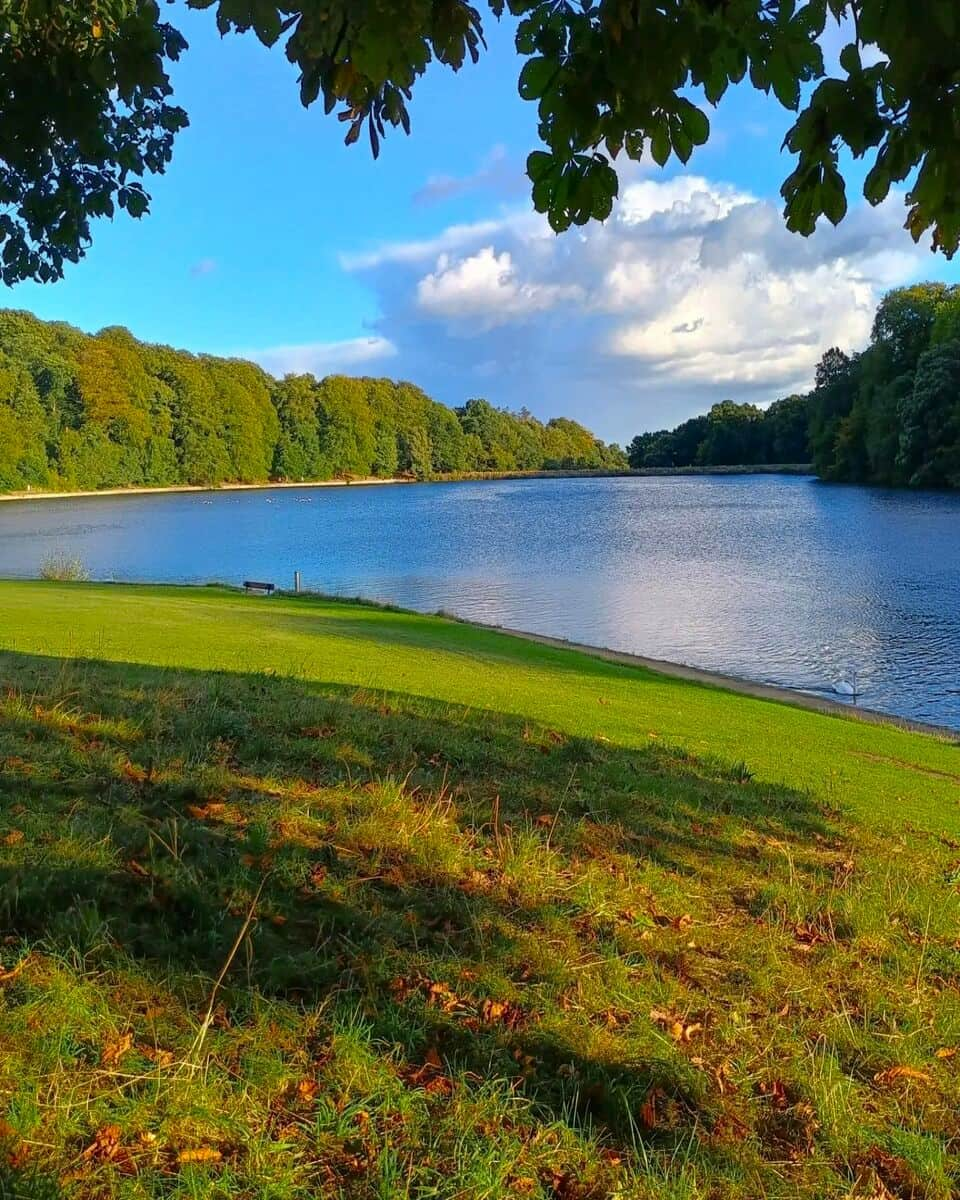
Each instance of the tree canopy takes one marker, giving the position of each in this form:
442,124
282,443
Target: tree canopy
888,415
82,412
86,106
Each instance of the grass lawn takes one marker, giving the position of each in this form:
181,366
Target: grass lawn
303,898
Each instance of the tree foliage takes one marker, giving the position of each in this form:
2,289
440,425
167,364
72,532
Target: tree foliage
84,412
86,107
889,415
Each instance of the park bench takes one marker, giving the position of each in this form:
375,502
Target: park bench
253,585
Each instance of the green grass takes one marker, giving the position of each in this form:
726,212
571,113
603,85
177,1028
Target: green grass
302,898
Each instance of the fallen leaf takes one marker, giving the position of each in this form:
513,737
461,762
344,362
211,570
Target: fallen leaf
137,869
679,1029
442,994
946,1052
648,1110
775,1092
901,1072
807,936
200,812
13,838
307,1089
163,1058
114,1051
493,1010
202,1154
105,1144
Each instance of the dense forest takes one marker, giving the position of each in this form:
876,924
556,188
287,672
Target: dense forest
87,412
888,415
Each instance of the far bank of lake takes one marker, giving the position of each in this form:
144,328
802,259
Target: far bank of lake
775,578
372,480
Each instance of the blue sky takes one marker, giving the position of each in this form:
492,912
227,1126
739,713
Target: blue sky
269,238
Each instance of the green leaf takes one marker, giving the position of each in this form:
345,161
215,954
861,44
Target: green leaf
682,145
695,123
539,164
877,183
267,22
850,59
660,143
536,77
833,197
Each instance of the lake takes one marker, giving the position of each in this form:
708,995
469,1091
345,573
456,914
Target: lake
776,578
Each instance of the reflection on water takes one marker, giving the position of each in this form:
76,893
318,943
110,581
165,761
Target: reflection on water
776,578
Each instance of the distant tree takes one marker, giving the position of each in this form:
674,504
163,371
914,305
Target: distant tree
297,452
905,321
930,420
834,364
733,435
785,434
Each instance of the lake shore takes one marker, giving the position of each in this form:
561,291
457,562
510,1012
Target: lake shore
371,481
732,683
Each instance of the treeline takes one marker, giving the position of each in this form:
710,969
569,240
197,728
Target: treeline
729,435
88,412
888,415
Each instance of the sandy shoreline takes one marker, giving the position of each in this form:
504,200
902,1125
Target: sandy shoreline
465,477
174,488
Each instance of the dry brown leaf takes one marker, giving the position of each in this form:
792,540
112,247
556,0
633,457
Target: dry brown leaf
307,1089
200,812
13,838
137,869
114,1051
946,1052
648,1110
163,1058
775,1092
901,1072
679,1029
105,1144
430,1075
202,1154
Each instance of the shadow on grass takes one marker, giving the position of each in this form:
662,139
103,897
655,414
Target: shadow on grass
27,1184
443,872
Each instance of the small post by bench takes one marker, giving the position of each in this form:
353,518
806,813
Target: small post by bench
261,589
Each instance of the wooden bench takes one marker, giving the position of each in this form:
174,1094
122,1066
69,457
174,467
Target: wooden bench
253,585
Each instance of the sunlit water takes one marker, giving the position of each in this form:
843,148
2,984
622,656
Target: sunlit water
777,578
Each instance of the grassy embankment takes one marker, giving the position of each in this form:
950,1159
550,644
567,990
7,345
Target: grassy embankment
303,898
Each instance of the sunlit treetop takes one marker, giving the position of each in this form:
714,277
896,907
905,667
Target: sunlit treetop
86,106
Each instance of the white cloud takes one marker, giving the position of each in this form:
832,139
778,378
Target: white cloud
451,239
322,358
485,289
691,292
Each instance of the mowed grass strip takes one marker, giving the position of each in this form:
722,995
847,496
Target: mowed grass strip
301,898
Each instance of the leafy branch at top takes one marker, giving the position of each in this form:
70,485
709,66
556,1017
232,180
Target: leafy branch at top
86,111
